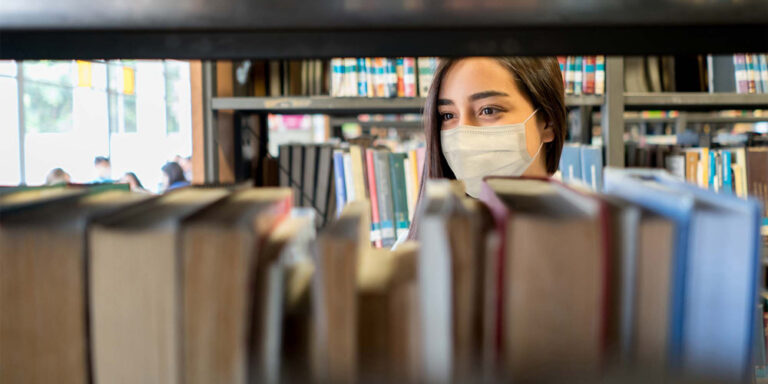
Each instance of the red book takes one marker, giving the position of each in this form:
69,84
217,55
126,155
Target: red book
591,62
375,221
537,276
400,71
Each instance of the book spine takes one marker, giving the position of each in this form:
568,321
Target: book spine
400,72
425,75
384,191
599,75
335,76
740,69
569,66
348,180
691,164
352,71
726,172
577,75
704,180
409,186
562,60
750,73
338,176
758,77
399,193
380,82
763,58
370,72
392,67
590,71
375,219
412,157
362,79
410,76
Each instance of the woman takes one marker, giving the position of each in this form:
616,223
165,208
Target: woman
173,176
500,116
132,180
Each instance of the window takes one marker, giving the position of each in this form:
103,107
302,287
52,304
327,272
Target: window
10,161
48,96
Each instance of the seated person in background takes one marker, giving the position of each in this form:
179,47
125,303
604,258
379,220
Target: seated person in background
57,176
186,165
131,179
173,176
103,169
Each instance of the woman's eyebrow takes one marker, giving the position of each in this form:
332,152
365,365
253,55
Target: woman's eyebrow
444,102
486,94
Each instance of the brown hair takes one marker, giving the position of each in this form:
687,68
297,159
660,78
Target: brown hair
537,78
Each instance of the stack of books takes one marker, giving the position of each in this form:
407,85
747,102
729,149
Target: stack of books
583,75
741,73
381,77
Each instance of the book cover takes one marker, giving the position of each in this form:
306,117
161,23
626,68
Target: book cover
357,162
375,219
351,75
323,184
426,71
757,74
704,170
691,166
384,191
750,73
399,193
409,186
297,175
338,177
763,60
392,77
720,72
370,73
400,72
381,82
714,182
599,75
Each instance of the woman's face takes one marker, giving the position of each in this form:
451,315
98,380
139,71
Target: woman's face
481,92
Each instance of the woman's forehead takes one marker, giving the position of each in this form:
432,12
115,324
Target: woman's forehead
472,75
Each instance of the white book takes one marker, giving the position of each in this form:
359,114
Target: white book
348,179
409,187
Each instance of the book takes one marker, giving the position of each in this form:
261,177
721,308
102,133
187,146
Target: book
339,179
570,162
569,75
297,173
384,198
221,246
284,161
750,65
370,73
322,191
309,176
755,63
348,180
591,159
376,232
45,334
391,78
400,73
409,187
720,72
763,64
578,76
534,343
335,304
691,165
362,78
399,193
740,73
357,163
675,164
589,73
426,70
409,65
757,175
727,180
133,270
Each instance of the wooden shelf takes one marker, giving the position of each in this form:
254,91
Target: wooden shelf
695,100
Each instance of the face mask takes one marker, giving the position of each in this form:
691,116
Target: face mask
476,152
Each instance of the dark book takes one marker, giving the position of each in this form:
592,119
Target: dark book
720,73
399,197
384,198
309,173
284,162
323,184
297,176
757,175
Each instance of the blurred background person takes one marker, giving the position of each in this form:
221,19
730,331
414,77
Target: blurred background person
186,165
103,169
57,176
173,177
133,181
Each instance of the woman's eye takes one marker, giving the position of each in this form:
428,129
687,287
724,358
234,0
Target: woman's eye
446,116
488,111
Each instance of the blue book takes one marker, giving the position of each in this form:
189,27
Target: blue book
362,79
713,182
570,162
727,172
715,273
338,177
763,64
592,166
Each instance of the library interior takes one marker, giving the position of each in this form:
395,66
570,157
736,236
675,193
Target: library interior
249,191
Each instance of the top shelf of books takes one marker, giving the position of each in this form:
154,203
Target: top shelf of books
233,29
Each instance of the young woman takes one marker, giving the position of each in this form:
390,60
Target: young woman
173,177
501,116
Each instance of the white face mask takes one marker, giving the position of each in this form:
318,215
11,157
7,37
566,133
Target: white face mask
476,152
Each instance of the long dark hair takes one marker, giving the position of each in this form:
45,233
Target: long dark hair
538,78
136,179
174,173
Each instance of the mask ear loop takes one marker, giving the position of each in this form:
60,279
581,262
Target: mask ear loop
533,158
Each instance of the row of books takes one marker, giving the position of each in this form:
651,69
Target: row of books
582,164
655,275
583,75
741,73
231,285
389,180
381,77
